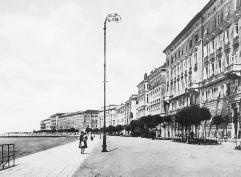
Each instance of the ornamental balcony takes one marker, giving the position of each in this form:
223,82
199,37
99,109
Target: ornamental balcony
236,68
190,70
206,60
227,47
182,75
219,52
212,56
195,67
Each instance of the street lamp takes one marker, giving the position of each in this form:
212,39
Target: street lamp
111,17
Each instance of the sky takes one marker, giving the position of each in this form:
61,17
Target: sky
51,53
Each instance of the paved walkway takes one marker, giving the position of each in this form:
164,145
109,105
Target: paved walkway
140,157
61,161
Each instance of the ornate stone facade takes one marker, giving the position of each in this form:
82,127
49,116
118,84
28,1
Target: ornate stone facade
204,63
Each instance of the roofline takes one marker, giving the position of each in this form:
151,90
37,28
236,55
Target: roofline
197,16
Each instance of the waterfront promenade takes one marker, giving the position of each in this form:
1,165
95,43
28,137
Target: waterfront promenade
140,157
61,161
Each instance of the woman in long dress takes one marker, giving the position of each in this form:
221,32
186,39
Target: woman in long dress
81,142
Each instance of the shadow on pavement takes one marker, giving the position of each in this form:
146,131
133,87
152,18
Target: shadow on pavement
113,149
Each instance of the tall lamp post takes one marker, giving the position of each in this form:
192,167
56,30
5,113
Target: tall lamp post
111,17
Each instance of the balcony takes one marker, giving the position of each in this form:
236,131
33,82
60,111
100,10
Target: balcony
182,75
190,70
195,67
206,60
219,52
212,56
227,47
233,68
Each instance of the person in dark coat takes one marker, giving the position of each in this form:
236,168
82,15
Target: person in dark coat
85,138
81,142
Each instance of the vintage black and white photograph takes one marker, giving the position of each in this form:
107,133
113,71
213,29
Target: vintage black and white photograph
120,88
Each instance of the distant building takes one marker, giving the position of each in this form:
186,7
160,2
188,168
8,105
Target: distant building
79,120
126,112
131,105
54,120
45,124
110,116
151,92
90,119
70,120
143,98
157,90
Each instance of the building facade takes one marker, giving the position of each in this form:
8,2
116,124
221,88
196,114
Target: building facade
143,98
151,92
110,118
45,124
79,120
204,63
157,89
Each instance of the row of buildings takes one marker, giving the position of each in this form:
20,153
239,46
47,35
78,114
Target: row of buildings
203,67
148,101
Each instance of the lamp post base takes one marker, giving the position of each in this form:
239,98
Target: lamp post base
104,144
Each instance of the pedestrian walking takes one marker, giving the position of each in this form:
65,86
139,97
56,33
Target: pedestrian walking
85,138
81,142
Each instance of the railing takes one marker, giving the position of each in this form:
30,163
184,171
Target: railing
7,155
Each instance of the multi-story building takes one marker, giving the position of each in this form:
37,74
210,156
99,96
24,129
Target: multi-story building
79,120
71,120
157,87
54,120
184,66
45,124
204,62
142,106
151,92
121,115
90,119
131,105
110,118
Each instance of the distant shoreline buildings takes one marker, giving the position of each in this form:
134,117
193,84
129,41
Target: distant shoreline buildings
203,67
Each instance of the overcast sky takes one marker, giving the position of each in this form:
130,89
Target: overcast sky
51,53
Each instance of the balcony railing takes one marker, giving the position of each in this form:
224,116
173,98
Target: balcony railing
206,60
212,56
227,47
233,67
219,52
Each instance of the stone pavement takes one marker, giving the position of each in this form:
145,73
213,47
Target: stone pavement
140,157
61,161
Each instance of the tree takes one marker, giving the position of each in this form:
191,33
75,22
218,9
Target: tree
88,129
134,124
119,128
226,121
204,116
95,130
110,129
217,120
128,128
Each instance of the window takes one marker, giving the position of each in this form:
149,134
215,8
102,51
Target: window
190,44
220,65
228,89
236,29
221,17
196,38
